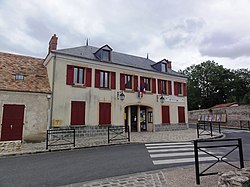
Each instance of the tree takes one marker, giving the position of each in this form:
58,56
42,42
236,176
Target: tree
208,84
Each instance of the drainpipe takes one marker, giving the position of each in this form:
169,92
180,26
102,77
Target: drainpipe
52,94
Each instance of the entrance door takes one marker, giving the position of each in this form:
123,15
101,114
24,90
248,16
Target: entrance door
134,118
12,123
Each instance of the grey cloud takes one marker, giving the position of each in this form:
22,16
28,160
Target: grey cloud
183,33
224,45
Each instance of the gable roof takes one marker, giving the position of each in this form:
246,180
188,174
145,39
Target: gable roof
35,74
88,52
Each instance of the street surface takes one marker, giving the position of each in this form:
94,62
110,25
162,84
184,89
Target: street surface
67,167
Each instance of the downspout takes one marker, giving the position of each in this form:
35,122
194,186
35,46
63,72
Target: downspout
52,95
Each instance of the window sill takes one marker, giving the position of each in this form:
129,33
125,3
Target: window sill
79,85
105,88
129,90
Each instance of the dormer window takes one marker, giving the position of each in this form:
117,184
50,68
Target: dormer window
104,53
19,77
163,67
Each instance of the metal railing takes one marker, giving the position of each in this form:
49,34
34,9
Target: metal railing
60,137
235,144
245,124
206,128
117,133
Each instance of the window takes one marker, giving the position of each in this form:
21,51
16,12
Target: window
181,114
104,79
146,82
78,75
77,113
128,81
165,115
180,89
163,86
105,55
104,113
163,67
19,77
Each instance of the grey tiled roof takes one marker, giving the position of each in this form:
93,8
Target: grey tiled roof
122,59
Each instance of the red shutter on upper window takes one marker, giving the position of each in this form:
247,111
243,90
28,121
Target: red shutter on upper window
153,86
104,113
169,87
159,86
135,83
176,88
113,80
181,114
77,113
165,114
122,81
97,78
184,89
70,75
88,77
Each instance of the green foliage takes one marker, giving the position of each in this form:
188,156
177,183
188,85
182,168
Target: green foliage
210,83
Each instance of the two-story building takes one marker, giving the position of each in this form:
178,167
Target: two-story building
96,86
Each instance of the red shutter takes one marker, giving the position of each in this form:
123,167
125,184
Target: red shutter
135,83
122,81
70,75
113,80
153,86
181,114
169,87
97,78
104,113
159,86
165,114
184,89
88,77
77,113
176,88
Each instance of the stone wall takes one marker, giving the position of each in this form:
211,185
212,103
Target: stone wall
170,127
10,146
236,178
234,115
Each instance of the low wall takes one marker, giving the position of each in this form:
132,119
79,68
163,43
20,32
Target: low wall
10,146
170,127
235,114
236,178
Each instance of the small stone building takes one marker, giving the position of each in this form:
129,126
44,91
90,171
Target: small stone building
24,98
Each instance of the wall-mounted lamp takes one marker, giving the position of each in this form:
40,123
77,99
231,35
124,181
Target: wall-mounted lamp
160,98
120,95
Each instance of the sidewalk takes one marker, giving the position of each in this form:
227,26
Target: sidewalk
172,177
141,137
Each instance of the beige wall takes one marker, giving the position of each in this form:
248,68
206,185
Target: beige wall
35,113
64,94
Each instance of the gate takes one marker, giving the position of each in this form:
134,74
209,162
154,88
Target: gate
116,133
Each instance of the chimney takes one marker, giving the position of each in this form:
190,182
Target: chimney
169,66
53,43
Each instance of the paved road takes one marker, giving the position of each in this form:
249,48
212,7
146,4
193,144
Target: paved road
67,167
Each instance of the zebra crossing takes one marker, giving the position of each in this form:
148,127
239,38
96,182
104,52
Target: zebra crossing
175,153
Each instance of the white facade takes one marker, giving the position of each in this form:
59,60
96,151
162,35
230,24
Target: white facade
63,94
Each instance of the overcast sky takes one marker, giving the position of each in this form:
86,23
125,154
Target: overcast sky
185,32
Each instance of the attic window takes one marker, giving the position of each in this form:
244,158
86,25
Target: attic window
19,77
105,55
163,67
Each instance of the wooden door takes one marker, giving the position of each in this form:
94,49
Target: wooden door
165,115
77,113
181,114
12,122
